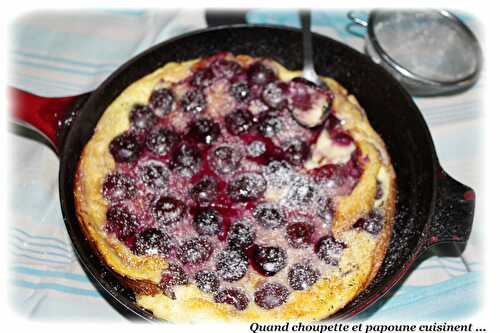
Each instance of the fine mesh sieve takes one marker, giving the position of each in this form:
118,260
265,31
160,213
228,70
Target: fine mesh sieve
431,52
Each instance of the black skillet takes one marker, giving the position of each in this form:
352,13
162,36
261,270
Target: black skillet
432,207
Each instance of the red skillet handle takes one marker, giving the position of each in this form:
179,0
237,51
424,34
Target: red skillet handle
50,116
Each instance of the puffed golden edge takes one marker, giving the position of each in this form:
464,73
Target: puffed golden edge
306,305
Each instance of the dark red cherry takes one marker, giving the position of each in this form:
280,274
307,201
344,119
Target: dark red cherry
204,130
186,160
299,234
207,281
270,124
154,174
296,151
271,295
194,251
302,276
226,68
173,275
231,264
240,91
332,174
125,147
240,235
329,250
232,297
161,101
121,221
142,117
118,186
274,95
269,260
204,191
207,222
203,77
239,122
373,223
168,210
247,186
152,242
268,215
301,191
224,160
162,141
194,101
260,74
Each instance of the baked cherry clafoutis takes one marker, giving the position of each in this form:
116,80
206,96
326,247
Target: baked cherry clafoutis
230,188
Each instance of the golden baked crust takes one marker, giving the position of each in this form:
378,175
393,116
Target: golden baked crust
359,262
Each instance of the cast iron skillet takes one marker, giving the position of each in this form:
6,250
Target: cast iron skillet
432,207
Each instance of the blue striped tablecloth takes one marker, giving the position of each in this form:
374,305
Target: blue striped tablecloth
66,53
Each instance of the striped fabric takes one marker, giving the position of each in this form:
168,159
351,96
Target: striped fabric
67,53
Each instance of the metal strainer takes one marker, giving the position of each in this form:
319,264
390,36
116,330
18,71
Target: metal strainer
431,52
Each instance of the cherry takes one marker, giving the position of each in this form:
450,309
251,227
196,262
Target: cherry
301,191
186,160
162,141
224,160
332,174
173,275
207,281
203,77
279,173
268,216
299,234
194,101
125,147
260,74
207,222
240,235
373,223
194,251
271,295
269,260
296,151
161,101
240,91
121,221
142,117
154,174
239,121
226,68
231,264
152,242
256,148
232,297
274,95
247,186
118,186
329,250
270,124
302,276
204,191
168,210
204,130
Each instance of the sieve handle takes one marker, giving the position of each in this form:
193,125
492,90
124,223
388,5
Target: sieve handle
356,19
